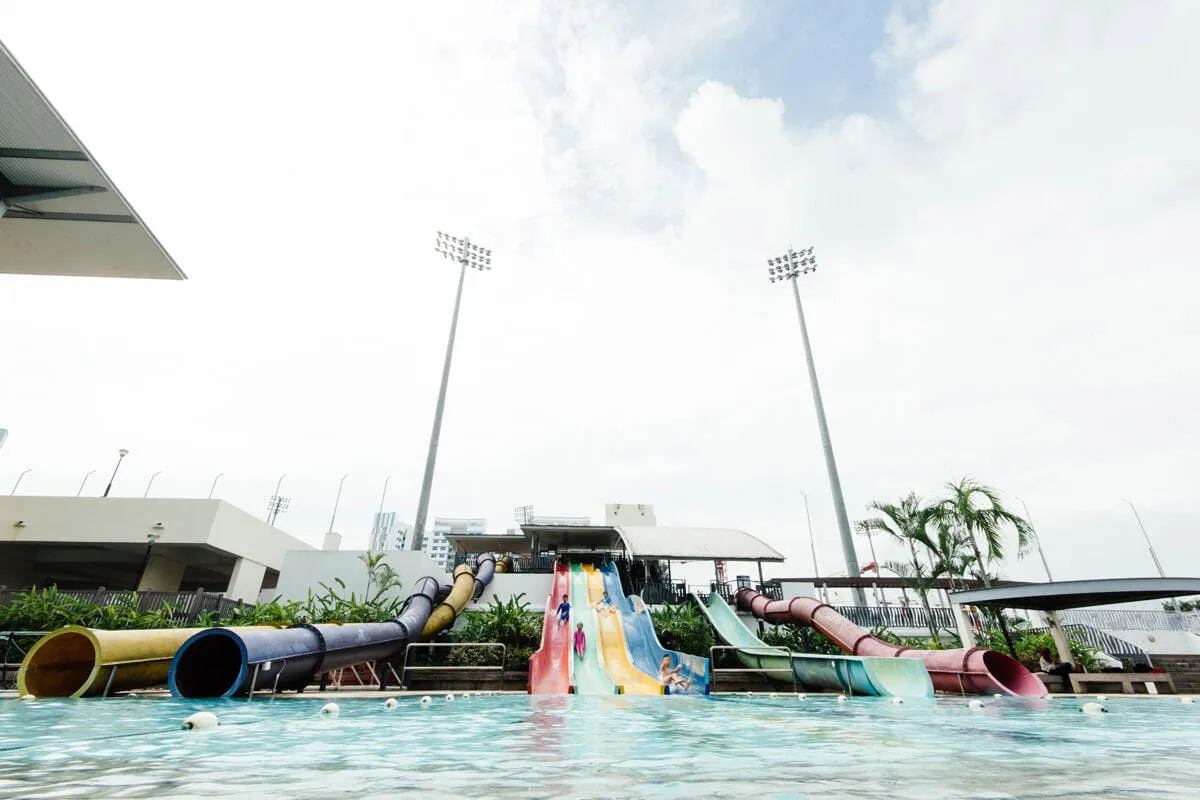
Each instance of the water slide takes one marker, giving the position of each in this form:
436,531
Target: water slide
853,675
644,648
550,666
613,648
961,671
587,671
84,662
221,662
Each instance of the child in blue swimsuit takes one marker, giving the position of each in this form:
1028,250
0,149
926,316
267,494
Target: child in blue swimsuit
564,610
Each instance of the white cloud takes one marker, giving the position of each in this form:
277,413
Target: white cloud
1005,287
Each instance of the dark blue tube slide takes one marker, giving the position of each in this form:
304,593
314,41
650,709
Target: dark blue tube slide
223,663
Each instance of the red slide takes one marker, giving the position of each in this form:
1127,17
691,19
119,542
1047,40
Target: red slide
974,671
550,666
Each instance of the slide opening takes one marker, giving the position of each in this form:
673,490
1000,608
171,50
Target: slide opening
210,666
1012,675
61,666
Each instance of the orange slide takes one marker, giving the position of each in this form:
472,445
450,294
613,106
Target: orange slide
550,666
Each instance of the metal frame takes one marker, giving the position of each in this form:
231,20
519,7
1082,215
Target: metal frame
8,637
712,670
430,645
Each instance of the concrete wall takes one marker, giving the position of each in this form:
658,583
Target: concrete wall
306,569
505,585
1173,642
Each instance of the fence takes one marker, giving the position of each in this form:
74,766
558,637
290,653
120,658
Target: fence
897,617
542,563
1106,642
1120,620
186,607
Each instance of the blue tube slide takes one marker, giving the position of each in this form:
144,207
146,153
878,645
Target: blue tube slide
223,663
645,651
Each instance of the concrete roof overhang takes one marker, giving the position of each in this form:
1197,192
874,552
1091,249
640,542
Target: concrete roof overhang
60,214
1063,595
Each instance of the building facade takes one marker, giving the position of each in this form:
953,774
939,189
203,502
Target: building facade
389,533
436,546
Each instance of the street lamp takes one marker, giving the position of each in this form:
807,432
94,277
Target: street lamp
465,254
19,477
123,452
151,483
276,505
865,530
151,538
83,482
1146,536
213,488
337,500
789,267
1037,540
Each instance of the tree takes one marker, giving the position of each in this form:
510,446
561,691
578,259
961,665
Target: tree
906,523
975,512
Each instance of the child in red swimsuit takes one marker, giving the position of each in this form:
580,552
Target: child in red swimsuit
580,640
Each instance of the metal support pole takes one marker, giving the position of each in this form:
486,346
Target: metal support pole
1146,536
336,501
1037,540
835,483
417,540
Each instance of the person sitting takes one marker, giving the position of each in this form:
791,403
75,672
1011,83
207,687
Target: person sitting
564,610
1047,664
669,676
605,603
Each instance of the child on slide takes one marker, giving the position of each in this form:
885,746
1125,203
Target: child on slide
580,640
564,610
670,677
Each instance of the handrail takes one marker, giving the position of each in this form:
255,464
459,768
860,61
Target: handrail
713,670
411,645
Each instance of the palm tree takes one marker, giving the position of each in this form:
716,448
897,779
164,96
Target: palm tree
919,578
906,524
975,512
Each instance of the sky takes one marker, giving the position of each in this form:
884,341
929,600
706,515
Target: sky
1002,196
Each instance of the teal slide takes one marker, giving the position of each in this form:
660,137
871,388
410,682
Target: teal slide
587,673
898,677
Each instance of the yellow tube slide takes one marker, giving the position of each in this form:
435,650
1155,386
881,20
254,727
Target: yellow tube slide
613,649
460,594
77,662
504,564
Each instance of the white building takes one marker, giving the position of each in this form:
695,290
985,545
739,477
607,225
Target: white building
389,533
436,546
151,544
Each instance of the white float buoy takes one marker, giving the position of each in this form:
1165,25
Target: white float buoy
426,699
896,701
801,696
1093,708
975,705
28,697
773,695
841,698
449,698
1101,697
1187,700
330,710
200,720
997,695
390,703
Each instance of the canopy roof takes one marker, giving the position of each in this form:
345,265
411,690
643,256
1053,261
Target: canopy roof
700,544
682,544
1077,594
59,213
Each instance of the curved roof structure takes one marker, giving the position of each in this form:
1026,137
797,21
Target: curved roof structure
699,544
59,213
1077,594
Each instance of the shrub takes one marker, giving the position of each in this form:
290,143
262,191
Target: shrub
684,629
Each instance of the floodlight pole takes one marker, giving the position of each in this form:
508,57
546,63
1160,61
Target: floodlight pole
790,266
1037,540
1146,536
812,543
466,255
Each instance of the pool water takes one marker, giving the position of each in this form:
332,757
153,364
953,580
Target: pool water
620,746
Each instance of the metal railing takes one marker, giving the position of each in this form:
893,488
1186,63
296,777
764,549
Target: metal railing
1103,641
185,606
897,616
1121,620
11,645
447,668
538,564
782,651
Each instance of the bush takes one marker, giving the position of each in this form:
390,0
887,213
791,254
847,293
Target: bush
801,639
509,623
684,629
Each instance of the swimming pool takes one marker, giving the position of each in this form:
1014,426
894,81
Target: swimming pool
620,746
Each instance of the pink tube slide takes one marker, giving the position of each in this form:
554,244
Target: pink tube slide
974,671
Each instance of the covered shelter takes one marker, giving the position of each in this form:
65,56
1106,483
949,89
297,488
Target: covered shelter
1051,598
60,214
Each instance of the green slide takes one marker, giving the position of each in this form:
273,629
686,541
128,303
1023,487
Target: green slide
587,673
851,674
